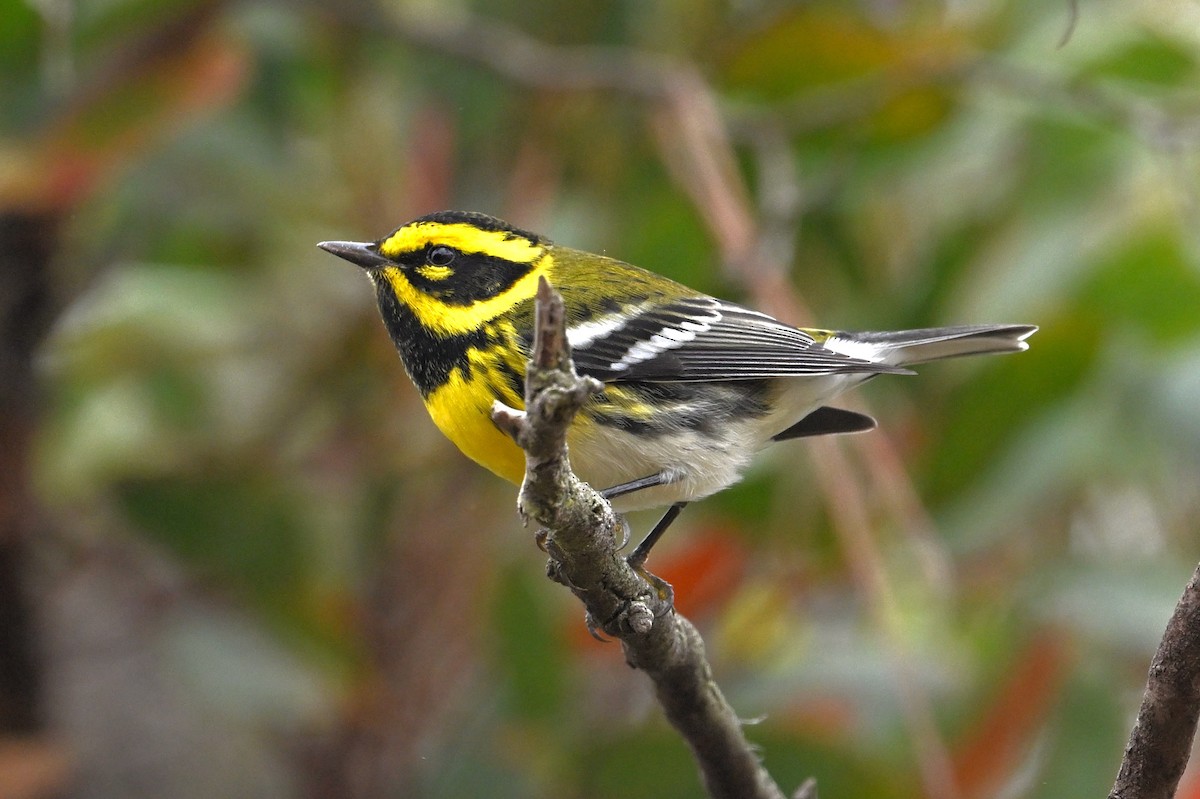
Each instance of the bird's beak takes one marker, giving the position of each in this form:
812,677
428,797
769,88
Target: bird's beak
363,254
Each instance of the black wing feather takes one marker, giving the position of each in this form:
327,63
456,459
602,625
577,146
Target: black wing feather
702,338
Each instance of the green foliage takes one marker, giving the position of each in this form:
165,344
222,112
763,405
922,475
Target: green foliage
977,426
1149,286
530,649
1081,752
1148,58
659,758
219,388
233,525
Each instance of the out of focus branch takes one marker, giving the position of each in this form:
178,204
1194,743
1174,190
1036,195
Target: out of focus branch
1161,740
580,537
525,60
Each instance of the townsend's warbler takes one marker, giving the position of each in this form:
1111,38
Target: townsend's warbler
693,385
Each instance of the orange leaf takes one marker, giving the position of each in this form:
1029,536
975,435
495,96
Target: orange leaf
1002,738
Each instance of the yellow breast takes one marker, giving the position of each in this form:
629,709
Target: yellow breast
462,410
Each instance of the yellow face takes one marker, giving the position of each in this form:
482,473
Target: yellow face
465,238
455,276
447,285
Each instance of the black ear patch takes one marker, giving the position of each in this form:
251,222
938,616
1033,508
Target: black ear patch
475,277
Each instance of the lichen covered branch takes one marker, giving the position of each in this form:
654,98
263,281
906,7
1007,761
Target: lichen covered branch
581,536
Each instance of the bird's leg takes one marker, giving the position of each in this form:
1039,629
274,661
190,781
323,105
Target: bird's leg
621,489
637,558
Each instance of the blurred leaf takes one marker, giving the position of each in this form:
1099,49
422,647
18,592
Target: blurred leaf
669,238
955,250
755,624
1066,160
241,528
529,650
839,772
704,571
118,26
1085,743
890,75
749,502
1148,58
23,37
179,71
1148,282
655,764
1002,736
826,43
982,416
829,239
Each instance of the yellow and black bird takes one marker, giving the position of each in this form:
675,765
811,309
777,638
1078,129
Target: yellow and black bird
693,385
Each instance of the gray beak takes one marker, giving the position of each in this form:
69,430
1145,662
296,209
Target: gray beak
359,253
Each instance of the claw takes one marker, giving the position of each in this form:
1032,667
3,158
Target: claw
662,589
626,533
555,572
593,629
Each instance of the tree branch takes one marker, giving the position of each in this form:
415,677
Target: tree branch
1161,740
581,539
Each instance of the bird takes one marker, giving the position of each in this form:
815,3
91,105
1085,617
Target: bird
692,386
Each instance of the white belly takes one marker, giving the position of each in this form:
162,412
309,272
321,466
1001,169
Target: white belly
695,464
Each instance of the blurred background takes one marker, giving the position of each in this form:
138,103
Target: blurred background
237,560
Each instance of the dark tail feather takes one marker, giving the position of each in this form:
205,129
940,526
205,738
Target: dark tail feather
904,347
825,421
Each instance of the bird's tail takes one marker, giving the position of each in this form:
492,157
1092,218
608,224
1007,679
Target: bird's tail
905,347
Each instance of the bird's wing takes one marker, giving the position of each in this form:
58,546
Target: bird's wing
701,338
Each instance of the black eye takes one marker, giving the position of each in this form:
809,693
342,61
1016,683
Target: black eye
442,256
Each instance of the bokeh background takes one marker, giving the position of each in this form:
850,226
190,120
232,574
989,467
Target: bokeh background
237,560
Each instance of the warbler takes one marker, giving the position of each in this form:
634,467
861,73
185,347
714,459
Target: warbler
693,386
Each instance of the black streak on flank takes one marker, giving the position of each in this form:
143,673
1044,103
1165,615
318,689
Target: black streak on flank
514,379
428,359
684,406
